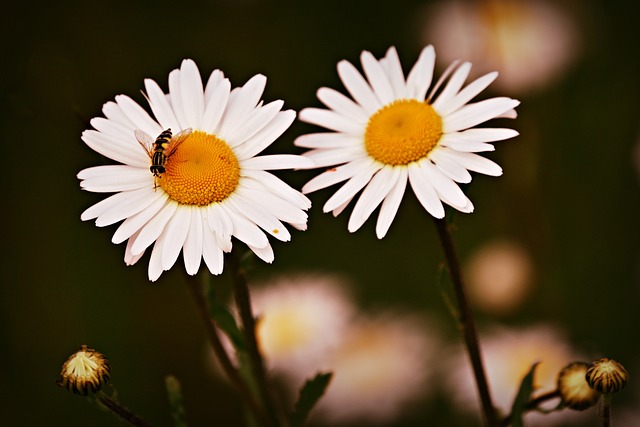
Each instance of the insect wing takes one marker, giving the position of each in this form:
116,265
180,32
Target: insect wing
145,141
177,139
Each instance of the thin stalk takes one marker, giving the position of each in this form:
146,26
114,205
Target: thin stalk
120,411
467,323
212,332
243,302
605,410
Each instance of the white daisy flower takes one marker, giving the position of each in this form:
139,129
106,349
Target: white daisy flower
212,186
396,130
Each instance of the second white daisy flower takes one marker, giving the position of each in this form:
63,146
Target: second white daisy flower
211,188
395,130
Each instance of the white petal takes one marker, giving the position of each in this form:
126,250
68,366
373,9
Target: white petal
280,208
117,178
425,193
215,78
155,260
266,136
336,175
419,78
337,211
327,140
331,120
175,234
244,100
192,93
264,253
176,98
331,157
373,194
474,162
102,206
132,224
129,258
391,203
123,151
221,225
193,245
111,128
358,87
213,256
114,113
134,202
255,121
160,106
452,88
245,230
377,78
138,116
445,187
459,142
261,217
489,134
341,104
468,93
215,106
393,68
277,162
473,114
277,187
449,167
350,188
153,228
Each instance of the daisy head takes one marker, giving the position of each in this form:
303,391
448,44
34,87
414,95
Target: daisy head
189,176
398,130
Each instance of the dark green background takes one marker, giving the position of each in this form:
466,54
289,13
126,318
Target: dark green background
569,192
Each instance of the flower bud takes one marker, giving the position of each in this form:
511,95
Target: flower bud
86,371
607,376
573,388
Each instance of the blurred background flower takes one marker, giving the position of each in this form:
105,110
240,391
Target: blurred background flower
499,276
531,42
383,366
301,318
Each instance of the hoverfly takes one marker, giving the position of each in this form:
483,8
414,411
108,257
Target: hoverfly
161,149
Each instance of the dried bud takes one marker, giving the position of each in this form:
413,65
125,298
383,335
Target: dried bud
607,376
86,371
574,390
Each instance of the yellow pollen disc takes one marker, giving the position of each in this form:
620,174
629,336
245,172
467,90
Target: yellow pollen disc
201,171
403,132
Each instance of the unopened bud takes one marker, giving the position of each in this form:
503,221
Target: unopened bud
86,371
607,376
574,390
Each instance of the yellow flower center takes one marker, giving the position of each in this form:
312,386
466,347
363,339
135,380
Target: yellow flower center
403,132
201,171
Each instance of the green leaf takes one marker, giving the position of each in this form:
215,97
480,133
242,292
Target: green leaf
523,397
310,393
174,393
224,319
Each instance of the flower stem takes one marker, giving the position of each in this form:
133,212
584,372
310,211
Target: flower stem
605,410
243,302
467,323
223,358
120,411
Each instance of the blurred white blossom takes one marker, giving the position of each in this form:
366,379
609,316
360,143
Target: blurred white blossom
530,42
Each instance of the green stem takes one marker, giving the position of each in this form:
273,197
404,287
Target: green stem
243,302
223,358
467,323
120,411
